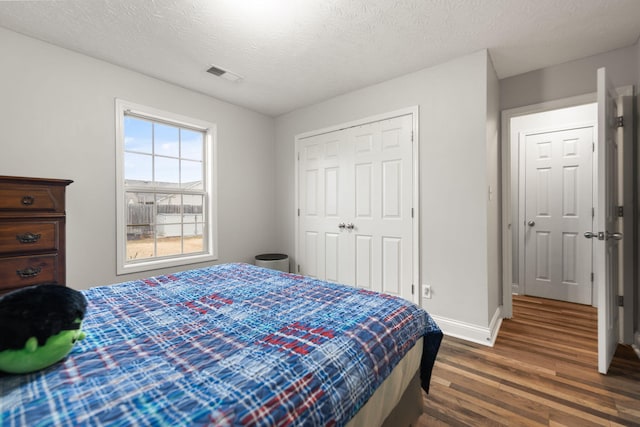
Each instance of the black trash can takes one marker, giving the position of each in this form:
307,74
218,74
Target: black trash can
273,261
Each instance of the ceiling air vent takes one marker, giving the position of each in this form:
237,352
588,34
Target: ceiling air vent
225,74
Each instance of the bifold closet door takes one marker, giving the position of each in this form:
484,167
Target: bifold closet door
323,247
356,188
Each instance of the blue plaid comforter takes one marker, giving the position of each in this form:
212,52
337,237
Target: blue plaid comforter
229,345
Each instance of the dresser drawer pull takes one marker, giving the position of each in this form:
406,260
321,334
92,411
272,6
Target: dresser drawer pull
28,272
28,200
28,237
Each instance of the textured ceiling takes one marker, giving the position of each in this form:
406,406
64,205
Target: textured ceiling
293,53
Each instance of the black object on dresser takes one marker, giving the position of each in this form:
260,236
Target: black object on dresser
32,232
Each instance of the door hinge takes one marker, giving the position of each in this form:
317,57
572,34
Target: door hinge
591,277
298,211
620,211
411,136
413,289
298,268
620,300
411,212
619,121
593,212
593,147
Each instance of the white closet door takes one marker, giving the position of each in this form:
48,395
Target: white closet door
356,192
382,202
322,200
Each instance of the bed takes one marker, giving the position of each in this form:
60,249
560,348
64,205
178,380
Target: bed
233,344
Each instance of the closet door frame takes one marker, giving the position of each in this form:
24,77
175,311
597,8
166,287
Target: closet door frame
414,112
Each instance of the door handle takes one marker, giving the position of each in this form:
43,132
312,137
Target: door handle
531,223
341,226
350,226
614,236
599,235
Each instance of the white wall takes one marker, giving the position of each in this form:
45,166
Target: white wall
57,121
452,98
569,79
494,233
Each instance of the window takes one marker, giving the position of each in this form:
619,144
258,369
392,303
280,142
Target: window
165,189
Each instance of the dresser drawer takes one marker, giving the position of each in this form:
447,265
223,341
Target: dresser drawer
32,232
29,198
29,236
22,271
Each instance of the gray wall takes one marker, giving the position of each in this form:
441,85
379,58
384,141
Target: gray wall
57,121
454,175
494,231
569,79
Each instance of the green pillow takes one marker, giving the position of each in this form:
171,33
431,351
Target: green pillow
39,325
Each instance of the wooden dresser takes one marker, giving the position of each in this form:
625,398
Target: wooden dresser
32,232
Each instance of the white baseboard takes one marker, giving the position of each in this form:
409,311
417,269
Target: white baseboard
494,326
469,332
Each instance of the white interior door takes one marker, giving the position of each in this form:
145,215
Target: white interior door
558,208
606,245
382,202
323,190
355,196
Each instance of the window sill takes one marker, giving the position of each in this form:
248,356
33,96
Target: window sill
157,264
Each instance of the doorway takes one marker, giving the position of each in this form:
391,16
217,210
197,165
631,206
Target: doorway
615,128
517,125
555,199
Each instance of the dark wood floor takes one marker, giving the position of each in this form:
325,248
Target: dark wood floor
543,370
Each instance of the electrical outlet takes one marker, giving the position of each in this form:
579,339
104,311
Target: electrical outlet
426,291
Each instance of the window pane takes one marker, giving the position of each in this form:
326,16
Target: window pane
137,167
137,135
191,144
140,229
193,208
193,243
169,204
140,209
169,224
139,246
166,140
191,175
167,171
193,227
170,245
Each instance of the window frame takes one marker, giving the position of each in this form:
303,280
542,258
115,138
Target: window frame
210,166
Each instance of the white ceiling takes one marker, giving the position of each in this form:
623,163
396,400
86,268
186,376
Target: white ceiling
293,53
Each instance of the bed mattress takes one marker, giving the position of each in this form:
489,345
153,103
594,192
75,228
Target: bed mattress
232,344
